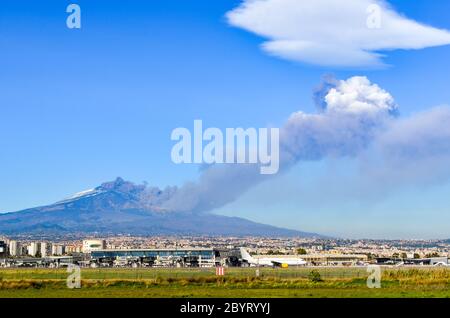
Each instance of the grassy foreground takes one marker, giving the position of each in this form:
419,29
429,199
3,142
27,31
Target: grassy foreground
238,282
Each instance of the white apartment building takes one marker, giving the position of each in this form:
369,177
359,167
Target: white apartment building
33,249
15,249
57,249
45,249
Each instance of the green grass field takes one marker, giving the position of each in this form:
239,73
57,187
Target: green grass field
238,282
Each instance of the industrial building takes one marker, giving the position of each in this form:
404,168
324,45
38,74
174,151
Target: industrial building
329,259
431,261
185,257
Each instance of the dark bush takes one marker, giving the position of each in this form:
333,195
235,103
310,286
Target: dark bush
315,277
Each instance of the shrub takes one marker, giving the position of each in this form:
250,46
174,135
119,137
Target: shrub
315,277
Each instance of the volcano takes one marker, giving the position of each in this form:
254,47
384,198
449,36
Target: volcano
122,207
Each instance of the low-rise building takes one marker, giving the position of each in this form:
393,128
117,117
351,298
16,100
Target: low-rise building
329,259
93,245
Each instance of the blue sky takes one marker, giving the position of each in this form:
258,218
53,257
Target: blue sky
80,107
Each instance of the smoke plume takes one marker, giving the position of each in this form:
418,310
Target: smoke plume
352,112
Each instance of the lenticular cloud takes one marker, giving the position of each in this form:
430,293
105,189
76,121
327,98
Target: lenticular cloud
333,32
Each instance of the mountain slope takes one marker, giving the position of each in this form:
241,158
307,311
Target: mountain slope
121,207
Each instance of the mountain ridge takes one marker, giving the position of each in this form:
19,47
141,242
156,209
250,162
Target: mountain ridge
122,207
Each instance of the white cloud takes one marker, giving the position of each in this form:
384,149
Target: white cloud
358,95
332,32
354,110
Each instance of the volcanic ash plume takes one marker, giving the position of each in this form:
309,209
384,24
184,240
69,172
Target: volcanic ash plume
351,113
